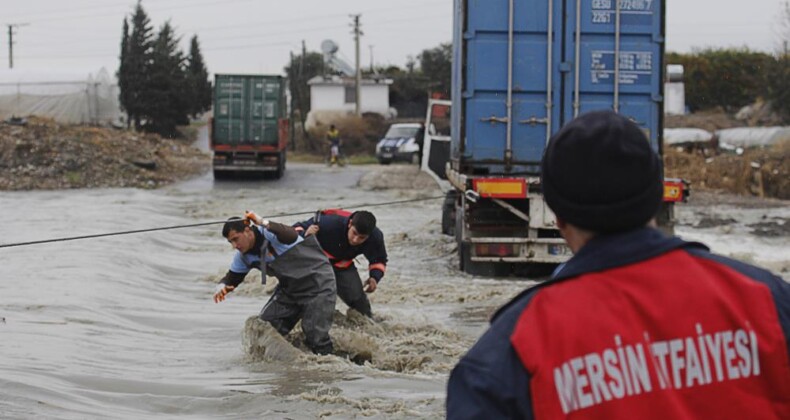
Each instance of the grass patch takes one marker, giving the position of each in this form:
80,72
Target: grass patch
359,159
73,177
302,157
362,159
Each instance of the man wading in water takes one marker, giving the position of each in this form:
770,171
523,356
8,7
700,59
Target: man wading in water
306,289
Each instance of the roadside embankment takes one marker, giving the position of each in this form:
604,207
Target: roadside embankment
45,155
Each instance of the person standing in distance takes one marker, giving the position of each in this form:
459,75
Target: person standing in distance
636,324
333,138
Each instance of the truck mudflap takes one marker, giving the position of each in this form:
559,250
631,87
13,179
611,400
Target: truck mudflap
519,250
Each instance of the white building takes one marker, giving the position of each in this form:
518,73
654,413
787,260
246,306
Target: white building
674,91
334,96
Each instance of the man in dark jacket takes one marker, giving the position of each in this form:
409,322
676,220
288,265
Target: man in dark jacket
306,288
636,324
343,236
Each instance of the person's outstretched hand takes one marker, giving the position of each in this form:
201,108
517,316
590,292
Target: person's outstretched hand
221,291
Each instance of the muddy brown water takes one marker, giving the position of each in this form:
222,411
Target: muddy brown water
124,326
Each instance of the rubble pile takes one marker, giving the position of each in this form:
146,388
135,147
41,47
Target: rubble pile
761,172
42,154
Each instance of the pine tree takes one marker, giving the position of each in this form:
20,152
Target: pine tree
199,85
137,61
167,105
299,71
123,70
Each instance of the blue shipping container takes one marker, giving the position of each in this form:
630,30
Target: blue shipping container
551,60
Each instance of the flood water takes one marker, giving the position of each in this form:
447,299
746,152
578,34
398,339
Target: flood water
125,327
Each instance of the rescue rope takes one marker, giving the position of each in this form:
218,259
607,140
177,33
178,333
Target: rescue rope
127,232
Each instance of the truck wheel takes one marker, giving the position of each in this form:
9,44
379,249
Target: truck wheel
487,269
534,271
665,218
280,166
221,175
448,213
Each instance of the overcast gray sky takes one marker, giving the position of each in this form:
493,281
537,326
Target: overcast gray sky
256,36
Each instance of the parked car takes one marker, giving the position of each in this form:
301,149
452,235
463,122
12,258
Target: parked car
400,143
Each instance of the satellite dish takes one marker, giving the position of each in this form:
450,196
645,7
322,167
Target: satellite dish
329,47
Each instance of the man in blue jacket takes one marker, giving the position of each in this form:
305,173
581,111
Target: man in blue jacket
636,324
306,289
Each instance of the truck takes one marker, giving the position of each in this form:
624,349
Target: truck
521,69
249,131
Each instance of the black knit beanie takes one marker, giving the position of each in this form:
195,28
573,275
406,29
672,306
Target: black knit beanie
600,174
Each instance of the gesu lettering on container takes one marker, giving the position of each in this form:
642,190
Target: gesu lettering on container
625,5
684,362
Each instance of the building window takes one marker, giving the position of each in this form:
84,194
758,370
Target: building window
351,94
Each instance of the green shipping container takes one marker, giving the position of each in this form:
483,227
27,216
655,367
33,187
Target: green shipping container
247,109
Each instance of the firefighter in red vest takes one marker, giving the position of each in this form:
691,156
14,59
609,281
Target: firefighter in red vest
343,236
636,324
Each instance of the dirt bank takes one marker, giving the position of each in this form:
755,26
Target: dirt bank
760,172
45,155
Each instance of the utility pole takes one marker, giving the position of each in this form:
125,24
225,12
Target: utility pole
11,27
291,122
371,58
357,32
302,99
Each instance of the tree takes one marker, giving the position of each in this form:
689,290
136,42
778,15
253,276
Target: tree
726,78
197,77
778,78
167,102
299,71
436,65
123,73
134,68
408,94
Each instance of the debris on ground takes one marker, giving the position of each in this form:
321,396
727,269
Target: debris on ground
760,172
43,154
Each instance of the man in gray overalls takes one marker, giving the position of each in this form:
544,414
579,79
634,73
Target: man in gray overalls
307,288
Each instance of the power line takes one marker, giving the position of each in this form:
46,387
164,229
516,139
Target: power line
191,5
102,4
156,229
207,41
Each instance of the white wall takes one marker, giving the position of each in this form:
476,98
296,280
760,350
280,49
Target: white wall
373,98
674,98
327,97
